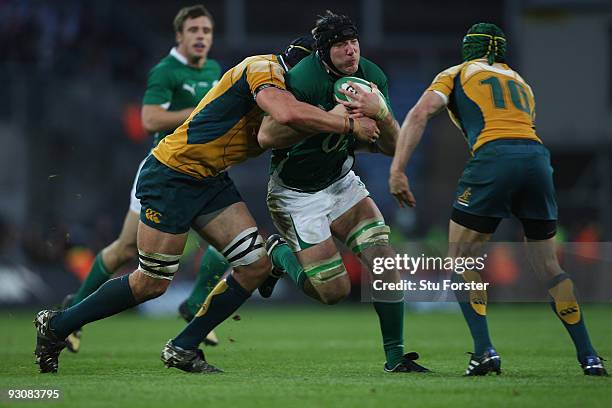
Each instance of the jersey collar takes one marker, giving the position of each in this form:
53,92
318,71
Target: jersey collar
174,52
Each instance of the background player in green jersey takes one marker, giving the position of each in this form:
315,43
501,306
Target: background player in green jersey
314,196
174,87
508,174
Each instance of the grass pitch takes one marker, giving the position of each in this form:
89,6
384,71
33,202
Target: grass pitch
314,356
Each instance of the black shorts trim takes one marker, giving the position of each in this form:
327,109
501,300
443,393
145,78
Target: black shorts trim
478,223
539,230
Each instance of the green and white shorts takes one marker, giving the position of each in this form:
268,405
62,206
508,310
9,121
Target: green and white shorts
304,219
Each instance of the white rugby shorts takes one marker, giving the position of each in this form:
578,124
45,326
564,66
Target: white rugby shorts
304,219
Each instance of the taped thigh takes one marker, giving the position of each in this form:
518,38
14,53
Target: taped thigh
246,248
325,271
158,266
368,233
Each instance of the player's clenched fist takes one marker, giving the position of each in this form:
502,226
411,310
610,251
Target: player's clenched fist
365,129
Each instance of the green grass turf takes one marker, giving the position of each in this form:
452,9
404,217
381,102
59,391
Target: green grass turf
314,356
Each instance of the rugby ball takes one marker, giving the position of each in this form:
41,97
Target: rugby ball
361,86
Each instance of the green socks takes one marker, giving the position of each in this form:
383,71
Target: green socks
474,308
212,267
566,307
111,298
284,257
95,278
390,315
391,319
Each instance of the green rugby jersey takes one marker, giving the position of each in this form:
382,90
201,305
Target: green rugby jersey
321,159
174,85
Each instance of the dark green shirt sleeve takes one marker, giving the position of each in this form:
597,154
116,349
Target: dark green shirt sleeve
159,87
297,85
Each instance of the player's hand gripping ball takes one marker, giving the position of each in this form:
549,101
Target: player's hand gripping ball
356,86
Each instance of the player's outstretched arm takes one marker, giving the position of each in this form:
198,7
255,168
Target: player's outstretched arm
429,105
157,119
307,119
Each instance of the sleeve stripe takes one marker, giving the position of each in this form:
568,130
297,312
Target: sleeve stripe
442,95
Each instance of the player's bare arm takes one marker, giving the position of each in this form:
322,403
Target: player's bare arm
389,132
273,135
157,119
307,119
429,105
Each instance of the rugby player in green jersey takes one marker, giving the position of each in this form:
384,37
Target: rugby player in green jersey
174,87
508,174
184,184
314,196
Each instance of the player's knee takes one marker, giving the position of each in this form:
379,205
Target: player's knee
258,270
154,274
145,287
335,292
156,288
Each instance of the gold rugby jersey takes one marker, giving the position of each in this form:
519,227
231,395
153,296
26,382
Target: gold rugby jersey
222,129
487,102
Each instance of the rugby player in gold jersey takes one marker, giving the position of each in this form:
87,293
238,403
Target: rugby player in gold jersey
508,174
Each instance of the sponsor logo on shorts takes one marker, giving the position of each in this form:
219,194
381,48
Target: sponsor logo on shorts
153,215
464,198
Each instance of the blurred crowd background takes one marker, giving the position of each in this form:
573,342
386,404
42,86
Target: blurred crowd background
72,76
